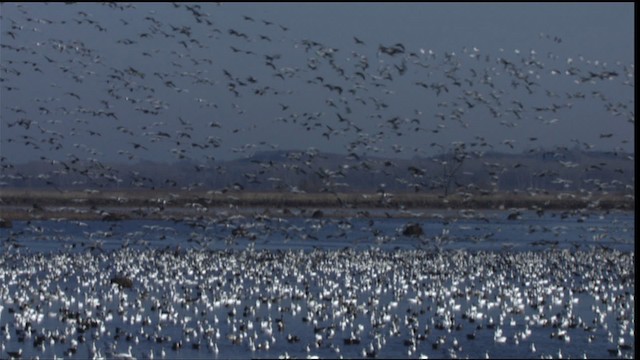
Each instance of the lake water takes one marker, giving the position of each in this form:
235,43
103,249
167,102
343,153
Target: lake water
481,231
263,287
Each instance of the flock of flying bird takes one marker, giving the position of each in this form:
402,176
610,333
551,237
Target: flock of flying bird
104,107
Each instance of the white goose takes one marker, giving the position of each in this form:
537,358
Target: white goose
123,356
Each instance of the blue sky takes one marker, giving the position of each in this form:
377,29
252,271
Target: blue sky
166,82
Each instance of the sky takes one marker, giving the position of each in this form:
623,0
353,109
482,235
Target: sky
167,82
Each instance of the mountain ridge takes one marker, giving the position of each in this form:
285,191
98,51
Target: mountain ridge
312,170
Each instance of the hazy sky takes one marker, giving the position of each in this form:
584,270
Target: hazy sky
167,82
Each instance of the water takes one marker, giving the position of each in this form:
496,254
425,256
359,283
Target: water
227,285
484,231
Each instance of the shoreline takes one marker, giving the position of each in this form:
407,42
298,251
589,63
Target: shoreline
18,204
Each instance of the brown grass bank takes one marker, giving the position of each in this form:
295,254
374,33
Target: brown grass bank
20,203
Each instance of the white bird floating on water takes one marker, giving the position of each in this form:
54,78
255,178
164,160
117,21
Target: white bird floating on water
123,356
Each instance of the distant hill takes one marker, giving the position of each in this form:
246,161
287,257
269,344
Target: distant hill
312,171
